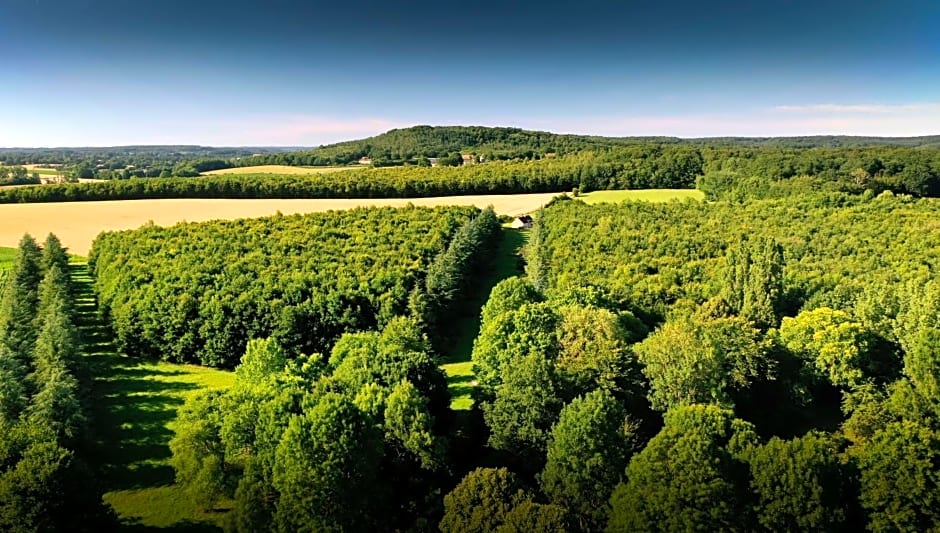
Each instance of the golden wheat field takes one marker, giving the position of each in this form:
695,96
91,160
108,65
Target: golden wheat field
78,223
278,169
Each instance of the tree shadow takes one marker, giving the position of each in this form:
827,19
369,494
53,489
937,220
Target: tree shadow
131,405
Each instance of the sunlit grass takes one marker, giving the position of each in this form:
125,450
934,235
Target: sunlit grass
646,195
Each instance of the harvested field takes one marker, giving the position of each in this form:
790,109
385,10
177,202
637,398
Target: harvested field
78,223
279,169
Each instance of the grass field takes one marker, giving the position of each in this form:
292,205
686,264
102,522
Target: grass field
278,169
457,364
78,223
134,404
646,195
6,257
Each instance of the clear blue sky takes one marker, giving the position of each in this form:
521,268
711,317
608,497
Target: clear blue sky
278,72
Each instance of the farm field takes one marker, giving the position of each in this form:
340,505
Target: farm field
645,195
78,223
279,169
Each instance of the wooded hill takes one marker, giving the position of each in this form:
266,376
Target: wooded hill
399,146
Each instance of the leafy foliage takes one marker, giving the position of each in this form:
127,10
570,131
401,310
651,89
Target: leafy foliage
198,292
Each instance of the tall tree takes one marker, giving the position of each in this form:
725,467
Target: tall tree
900,478
481,501
588,451
803,484
689,476
326,469
18,307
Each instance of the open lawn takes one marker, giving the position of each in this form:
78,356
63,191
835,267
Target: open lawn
78,223
278,169
133,407
646,195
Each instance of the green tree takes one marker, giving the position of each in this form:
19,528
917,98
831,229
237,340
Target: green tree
689,476
326,467
526,406
593,352
837,348
715,361
922,366
588,451
529,516
508,295
53,253
263,360
408,422
802,484
198,452
20,301
754,280
481,501
900,478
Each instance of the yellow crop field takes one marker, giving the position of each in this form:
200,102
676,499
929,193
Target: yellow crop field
78,223
277,169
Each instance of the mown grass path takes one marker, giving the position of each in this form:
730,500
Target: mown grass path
456,363
133,406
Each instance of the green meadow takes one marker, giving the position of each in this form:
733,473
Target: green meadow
646,195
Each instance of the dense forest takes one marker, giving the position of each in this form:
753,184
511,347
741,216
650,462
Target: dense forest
45,484
412,146
198,292
686,366
727,172
765,360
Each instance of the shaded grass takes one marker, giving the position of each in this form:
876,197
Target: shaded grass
646,195
456,362
134,403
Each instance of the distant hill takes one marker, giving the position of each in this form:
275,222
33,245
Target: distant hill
407,144
821,141
401,145
120,156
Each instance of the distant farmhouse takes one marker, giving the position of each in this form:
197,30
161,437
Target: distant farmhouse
365,160
522,222
433,161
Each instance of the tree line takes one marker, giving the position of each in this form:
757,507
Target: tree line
198,292
644,167
44,483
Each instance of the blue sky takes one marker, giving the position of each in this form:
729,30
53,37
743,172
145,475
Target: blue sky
278,72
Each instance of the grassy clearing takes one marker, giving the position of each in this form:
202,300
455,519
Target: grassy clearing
457,365
278,169
134,404
78,223
645,195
